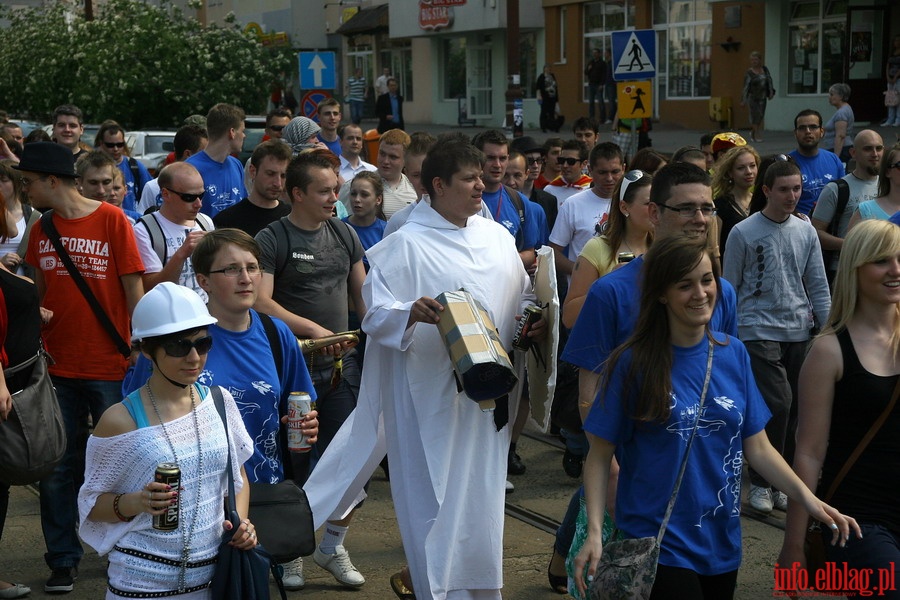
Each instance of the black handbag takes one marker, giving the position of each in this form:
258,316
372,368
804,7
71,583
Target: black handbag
33,439
283,520
240,574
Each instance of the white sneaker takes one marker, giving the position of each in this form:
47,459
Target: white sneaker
780,500
510,488
339,565
293,575
761,498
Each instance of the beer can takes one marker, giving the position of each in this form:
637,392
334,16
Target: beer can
169,474
625,257
299,404
531,315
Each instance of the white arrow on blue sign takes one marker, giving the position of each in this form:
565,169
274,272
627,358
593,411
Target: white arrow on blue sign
317,71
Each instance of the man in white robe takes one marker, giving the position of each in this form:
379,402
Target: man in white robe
448,461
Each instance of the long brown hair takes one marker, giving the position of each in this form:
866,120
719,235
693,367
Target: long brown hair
648,381
613,231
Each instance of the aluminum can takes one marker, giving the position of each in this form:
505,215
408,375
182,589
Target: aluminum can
625,257
531,315
169,474
299,404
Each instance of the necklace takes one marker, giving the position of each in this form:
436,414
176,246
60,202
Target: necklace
185,536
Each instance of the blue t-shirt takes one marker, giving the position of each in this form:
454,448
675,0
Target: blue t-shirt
368,236
704,531
242,363
504,212
610,312
133,188
816,172
334,146
224,182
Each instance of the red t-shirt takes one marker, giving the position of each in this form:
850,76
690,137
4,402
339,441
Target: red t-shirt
103,247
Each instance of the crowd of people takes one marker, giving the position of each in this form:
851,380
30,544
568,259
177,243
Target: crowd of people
712,295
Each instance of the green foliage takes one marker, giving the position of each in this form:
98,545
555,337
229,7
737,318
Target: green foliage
140,64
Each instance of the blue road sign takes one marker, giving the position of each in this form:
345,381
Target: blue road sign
634,54
317,71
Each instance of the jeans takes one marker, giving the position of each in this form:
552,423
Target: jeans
356,111
776,368
878,551
595,94
576,441
609,91
334,404
566,532
59,491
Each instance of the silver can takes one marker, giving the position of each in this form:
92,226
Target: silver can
299,405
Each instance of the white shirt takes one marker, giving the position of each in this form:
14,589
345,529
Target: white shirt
175,235
578,219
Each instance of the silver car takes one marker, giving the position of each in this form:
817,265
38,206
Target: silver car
151,147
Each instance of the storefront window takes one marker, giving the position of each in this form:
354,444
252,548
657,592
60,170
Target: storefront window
454,55
600,19
817,38
684,30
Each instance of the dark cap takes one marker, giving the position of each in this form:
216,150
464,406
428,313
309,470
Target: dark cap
49,158
526,144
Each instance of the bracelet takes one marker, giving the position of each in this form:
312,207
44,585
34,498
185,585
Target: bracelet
119,515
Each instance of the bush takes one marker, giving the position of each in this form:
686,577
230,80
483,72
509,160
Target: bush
140,64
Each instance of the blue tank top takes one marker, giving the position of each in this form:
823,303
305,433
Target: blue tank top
135,407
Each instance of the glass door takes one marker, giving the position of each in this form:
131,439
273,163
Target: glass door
478,81
864,62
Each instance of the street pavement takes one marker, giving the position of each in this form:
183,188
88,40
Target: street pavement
374,541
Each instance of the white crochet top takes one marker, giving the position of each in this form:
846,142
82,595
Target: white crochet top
126,463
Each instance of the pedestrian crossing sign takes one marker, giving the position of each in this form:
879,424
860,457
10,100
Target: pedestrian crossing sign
635,99
634,54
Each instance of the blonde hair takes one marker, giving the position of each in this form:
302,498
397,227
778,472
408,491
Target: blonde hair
722,183
867,242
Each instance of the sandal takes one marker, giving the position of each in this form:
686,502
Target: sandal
403,592
558,583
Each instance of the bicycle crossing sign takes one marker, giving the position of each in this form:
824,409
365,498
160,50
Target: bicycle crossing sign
634,54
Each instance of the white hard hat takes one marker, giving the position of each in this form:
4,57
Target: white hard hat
168,308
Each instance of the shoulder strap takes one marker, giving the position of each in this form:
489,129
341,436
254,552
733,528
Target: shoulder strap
843,197
204,222
219,400
282,244
274,342
343,232
517,203
136,174
863,443
31,216
157,237
51,232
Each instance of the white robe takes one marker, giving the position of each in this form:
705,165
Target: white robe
448,461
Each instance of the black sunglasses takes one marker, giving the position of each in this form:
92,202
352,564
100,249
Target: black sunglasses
276,127
181,348
188,197
114,144
568,160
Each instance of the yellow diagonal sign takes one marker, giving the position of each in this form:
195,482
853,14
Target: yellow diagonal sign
635,99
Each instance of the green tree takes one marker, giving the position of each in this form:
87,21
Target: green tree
140,64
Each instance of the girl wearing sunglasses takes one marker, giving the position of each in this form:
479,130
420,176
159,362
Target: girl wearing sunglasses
161,422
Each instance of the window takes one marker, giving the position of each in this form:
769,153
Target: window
454,59
817,42
684,30
528,67
601,18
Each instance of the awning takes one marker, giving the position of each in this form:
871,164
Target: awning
367,20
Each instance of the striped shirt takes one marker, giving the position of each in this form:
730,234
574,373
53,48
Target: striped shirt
357,87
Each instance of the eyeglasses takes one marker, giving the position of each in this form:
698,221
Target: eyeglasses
276,127
181,348
535,160
686,212
234,270
567,160
807,127
114,144
187,197
629,178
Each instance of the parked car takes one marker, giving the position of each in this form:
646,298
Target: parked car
151,147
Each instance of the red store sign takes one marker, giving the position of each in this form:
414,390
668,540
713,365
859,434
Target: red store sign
437,14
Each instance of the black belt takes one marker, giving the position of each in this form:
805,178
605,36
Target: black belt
165,561
167,594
